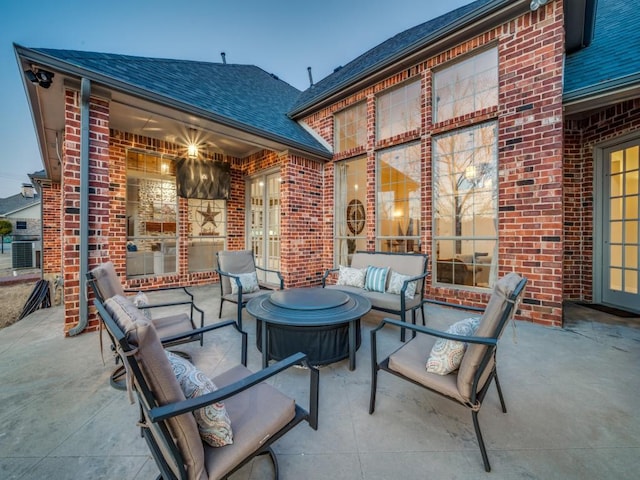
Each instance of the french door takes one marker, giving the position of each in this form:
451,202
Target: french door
621,226
264,222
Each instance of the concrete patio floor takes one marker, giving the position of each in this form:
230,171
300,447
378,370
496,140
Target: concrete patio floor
572,396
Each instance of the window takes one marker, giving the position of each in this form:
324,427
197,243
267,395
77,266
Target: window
398,199
21,225
467,86
207,233
398,111
350,209
350,128
151,214
465,193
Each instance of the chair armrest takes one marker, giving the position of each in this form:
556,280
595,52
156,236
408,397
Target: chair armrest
210,328
327,273
273,271
435,333
171,410
161,289
456,305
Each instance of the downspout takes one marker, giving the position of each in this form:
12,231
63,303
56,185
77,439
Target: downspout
85,93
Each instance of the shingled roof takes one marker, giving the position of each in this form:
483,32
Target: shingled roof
390,51
238,95
612,59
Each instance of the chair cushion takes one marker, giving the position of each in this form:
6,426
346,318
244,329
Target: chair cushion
159,376
446,355
494,312
352,277
249,282
172,325
107,281
409,361
396,282
376,279
213,422
256,414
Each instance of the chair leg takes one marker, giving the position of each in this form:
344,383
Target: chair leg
374,373
220,312
483,450
118,378
504,406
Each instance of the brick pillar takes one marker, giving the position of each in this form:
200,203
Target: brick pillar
70,197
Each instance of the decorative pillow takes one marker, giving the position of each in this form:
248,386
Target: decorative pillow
352,277
141,300
213,421
446,355
397,280
376,279
249,282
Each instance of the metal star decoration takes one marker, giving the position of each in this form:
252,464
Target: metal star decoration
208,216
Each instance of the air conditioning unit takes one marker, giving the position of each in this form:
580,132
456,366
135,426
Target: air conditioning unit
23,254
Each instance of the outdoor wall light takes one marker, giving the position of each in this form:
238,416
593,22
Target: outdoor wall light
41,77
192,150
536,4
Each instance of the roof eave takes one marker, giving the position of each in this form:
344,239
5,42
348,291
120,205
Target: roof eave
73,70
469,25
601,95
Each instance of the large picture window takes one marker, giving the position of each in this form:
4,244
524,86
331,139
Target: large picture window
465,192
350,128
398,111
466,86
398,199
151,214
350,209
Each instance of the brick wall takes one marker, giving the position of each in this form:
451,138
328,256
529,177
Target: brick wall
529,117
582,138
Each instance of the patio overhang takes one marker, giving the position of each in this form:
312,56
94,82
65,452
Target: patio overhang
140,112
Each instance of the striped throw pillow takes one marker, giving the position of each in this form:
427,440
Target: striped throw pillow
376,279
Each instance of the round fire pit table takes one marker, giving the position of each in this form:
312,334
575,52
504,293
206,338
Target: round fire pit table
324,324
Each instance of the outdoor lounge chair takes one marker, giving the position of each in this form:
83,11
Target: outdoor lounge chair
105,283
467,383
239,267
258,413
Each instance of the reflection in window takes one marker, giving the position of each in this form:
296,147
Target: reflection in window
398,199
350,209
467,86
465,204
398,111
207,232
350,128
151,214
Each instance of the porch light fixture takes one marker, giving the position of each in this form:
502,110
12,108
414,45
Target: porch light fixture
536,4
39,76
192,150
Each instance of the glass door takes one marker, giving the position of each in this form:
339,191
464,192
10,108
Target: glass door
621,229
264,223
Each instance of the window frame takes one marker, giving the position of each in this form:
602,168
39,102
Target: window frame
476,172
398,105
357,138
477,81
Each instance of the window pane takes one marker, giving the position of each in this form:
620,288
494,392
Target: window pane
466,86
350,209
398,111
465,201
152,214
398,199
207,231
350,128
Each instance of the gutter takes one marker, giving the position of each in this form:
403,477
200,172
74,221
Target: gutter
126,88
85,94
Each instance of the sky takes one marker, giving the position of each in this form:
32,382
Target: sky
283,37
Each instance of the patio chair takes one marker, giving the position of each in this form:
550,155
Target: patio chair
466,381
239,279
254,411
105,283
